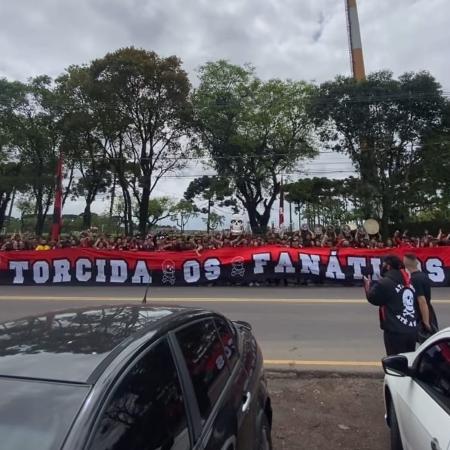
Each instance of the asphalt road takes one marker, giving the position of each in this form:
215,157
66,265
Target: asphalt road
306,326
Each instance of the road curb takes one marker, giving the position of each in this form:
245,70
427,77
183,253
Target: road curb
304,374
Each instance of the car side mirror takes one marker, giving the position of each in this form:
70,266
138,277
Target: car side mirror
243,324
396,366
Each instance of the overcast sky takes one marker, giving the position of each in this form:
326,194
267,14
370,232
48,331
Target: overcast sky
298,39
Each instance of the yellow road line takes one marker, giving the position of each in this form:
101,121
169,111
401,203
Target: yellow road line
293,301
180,299
291,363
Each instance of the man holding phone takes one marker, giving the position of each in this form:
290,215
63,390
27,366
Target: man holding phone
396,298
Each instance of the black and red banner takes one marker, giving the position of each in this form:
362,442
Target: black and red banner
223,266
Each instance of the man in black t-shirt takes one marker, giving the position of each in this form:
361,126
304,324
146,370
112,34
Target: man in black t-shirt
396,299
422,286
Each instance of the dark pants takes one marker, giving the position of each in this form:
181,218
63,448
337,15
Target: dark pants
396,343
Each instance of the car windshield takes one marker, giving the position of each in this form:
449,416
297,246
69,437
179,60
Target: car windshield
37,415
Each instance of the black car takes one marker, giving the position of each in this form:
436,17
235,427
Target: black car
132,377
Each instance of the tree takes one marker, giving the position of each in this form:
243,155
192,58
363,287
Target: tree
182,212
146,99
27,207
36,138
84,145
322,200
436,150
159,208
10,179
253,131
12,96
210,189
214,221
380,124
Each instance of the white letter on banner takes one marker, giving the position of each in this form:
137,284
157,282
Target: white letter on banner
260,260
18,267
191,271
435,270
40,272
212,269
334,270
310,263
376,268
141,274
357,262
62,271
284,264
119,271
83,269
101,266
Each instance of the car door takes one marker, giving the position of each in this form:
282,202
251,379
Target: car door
146,408
244,392
209,368
425,400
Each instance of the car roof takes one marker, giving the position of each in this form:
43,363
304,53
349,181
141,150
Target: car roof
70,345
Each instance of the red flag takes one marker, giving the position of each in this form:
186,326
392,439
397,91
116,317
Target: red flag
57,208
281,211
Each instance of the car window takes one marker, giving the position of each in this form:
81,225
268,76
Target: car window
228,339
146,411
206,362
434,370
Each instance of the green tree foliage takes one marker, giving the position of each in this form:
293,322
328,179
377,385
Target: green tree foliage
145,107
214,221
322,200
210,190
159,208
381,123
12,96
436,167
84,144
253,131
182,212
32,138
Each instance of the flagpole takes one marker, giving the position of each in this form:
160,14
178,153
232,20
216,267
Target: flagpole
281,210
57,208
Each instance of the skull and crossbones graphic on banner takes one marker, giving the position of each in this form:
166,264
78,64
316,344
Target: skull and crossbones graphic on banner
237,267
168,270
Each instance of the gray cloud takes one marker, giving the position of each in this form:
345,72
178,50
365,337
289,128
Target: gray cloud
282,38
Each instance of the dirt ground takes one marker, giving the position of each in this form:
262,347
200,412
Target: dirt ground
328,411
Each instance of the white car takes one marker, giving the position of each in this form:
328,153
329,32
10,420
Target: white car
417,396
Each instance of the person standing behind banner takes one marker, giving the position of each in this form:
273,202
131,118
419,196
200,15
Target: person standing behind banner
396,299
42,245
428,323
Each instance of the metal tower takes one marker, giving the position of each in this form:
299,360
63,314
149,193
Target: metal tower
354,35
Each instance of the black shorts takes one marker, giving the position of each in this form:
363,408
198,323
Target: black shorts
396,343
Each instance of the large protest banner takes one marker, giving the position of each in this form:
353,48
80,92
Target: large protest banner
229,265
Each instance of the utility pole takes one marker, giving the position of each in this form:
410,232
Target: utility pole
354,36
291,226
359,74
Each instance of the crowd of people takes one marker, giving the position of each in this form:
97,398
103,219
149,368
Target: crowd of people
328,237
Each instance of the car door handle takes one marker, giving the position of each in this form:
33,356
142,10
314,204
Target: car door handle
435,444
246,399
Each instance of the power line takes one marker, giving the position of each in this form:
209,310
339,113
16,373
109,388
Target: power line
265,156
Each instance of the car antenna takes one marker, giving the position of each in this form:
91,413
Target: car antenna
144,300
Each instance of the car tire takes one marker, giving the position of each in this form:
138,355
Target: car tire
265,438
396,440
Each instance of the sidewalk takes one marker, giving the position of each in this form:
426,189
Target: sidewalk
328,411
